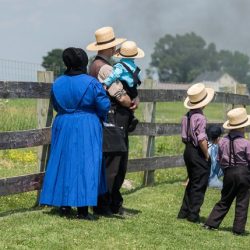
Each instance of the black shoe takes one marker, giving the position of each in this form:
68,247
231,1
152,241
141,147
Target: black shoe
86,217
208,227
194,219
133,124
65,211
103,212
182,216
238,233
120,211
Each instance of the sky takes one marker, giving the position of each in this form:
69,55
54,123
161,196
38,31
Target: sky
31,28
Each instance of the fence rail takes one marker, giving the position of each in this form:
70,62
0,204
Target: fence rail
40,137
25,183
10,89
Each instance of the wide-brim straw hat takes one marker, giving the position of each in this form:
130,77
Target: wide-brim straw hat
105,39
129,49
198,96
237,118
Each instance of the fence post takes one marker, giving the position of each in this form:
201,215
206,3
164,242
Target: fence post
44,116
149,141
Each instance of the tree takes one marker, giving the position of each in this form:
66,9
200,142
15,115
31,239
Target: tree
236,64
53,61
182,58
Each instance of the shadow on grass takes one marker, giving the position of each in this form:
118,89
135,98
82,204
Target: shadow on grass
230,229
20,210
73,214
133,190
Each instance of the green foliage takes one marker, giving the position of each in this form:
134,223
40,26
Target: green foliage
236,64
152,224
53,62
18,114
181,58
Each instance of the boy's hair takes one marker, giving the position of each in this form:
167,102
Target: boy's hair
214,131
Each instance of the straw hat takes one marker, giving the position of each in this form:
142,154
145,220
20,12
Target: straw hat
105,39
129,49
198,96
237,118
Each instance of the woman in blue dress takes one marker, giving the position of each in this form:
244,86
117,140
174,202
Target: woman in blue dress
75,176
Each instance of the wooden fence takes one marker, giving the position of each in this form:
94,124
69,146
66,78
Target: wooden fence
41,136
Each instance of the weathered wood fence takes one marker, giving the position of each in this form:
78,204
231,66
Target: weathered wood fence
41,136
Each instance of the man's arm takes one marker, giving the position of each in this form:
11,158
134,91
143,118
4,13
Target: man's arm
116,89
135,103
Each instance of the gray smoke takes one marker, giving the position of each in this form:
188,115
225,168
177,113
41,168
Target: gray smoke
31,28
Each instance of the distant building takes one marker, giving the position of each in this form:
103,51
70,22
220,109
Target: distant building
222,82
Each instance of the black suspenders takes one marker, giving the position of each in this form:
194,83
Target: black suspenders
188,126
134,74
232,155
188,115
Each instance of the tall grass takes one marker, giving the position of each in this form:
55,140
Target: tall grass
17,114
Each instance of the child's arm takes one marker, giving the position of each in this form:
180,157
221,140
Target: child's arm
114,75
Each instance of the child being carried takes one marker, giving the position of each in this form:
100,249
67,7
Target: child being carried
128,73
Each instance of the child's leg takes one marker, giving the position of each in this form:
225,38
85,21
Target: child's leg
241,210
242,202
228,194
133,121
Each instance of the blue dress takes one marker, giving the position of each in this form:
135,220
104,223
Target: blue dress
215,172
75,173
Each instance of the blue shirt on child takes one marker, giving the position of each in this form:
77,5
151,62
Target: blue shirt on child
215,172
120,73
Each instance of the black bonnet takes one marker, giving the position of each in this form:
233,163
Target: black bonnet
76,61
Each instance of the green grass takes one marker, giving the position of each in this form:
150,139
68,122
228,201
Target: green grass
152,224
18,114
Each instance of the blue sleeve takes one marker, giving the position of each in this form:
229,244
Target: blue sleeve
115,74
215,166
102,101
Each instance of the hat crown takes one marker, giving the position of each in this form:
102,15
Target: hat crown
197,93
104,34
129,48
237,116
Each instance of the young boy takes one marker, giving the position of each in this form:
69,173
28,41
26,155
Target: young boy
196,155
234,158
214,132
127,72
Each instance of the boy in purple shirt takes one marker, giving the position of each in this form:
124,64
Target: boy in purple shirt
234,158
196,155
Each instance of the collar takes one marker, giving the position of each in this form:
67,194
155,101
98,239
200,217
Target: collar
196,111
235,133
104,58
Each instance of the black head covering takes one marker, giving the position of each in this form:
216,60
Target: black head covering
76,61
214,131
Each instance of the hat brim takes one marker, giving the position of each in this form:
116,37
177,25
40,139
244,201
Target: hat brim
140,54
208,99
227,125
95,47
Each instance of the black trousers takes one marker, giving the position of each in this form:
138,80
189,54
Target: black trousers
198,170
116,167
236,184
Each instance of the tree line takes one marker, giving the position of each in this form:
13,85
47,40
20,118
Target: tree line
180,58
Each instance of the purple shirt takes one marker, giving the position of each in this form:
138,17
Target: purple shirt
241,149
197,128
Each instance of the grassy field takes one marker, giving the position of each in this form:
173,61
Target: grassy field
152,223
